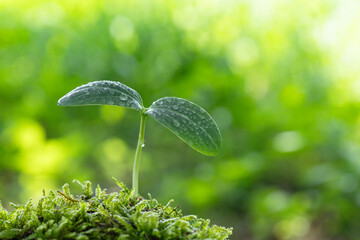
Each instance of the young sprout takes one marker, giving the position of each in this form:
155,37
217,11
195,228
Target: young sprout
185,119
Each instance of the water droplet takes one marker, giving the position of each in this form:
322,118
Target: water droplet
143,145
176,123
123,97
175,107
153,112
112,91
110,102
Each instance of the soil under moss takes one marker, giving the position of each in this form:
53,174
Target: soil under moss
117,215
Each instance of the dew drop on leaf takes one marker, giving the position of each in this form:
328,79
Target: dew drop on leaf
123,97
176,123
175,107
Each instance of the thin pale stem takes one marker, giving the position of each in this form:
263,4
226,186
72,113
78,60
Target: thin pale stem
140,145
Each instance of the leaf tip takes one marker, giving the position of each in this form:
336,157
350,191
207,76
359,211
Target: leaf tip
213,153
60,102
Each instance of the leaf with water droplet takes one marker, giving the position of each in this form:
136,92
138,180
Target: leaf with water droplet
103,93
189,122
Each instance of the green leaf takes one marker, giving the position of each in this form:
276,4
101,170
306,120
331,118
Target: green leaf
189,122
103,93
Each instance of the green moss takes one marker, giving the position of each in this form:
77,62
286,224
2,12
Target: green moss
118,215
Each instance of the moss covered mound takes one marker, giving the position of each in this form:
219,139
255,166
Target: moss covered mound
118,215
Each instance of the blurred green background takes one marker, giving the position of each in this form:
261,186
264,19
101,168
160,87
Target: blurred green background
281,78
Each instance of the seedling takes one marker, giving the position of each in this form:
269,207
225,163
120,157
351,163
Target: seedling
185,119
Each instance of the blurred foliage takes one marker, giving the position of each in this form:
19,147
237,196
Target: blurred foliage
281,78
